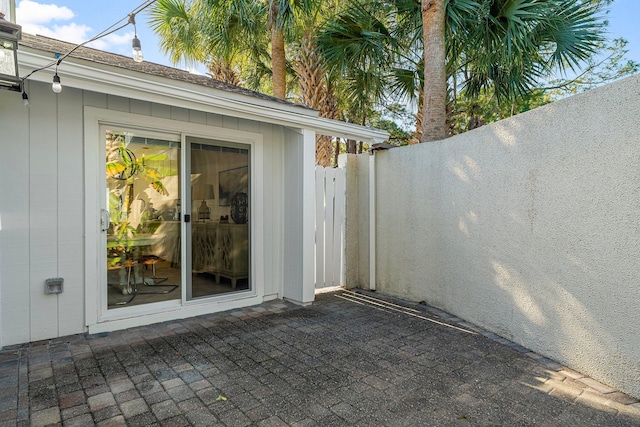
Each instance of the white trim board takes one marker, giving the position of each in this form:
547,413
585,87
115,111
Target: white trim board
99,320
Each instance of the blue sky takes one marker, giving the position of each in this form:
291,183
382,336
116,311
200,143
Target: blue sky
79,20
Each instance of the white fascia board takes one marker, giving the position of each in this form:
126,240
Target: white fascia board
86,75
348,130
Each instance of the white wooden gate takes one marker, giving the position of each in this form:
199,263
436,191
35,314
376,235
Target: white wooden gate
330,219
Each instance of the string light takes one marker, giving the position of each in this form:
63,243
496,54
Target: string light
56,86
137,50
135,43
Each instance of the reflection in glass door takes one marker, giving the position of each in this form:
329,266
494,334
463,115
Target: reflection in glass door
220,211
142,218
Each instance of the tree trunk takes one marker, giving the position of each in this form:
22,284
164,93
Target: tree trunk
316,92
434,113
324,150
223,71
351,146
278,63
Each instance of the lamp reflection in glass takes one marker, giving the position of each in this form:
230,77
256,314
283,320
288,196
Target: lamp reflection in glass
204,193
10,33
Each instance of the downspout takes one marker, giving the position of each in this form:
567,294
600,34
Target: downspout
372,211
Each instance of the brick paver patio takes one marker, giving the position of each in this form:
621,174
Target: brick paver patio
349,359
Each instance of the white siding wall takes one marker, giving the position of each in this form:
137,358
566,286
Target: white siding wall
528,227
70,211
299,216
273,211
292,222
15,177
42,204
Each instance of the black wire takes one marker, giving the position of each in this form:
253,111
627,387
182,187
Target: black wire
58,60
101,34
135,11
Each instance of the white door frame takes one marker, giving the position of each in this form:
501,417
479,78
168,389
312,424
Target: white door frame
97,319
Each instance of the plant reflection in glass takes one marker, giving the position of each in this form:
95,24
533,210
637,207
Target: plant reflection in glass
129,175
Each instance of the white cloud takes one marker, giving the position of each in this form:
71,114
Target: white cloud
38,18
108,42
73,32
32,13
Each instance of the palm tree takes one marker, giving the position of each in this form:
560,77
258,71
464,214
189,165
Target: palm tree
514,44
315,86
191,32
316,91
500,48
503,47
359,52
234,39
434,114
174,21
224,33
277,20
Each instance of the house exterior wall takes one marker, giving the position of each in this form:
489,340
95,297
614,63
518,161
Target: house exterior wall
42,203
528,227
298,218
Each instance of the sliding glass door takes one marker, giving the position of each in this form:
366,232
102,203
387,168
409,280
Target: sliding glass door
219,229
147,258
141,218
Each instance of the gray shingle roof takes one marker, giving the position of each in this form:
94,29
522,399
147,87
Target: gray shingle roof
120,61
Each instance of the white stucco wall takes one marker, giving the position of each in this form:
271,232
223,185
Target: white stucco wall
357,220
529,227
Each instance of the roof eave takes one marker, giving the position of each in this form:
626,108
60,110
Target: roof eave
88,75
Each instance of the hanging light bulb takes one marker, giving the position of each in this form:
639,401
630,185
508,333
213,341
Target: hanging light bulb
25,99
135,43
137,49
56,86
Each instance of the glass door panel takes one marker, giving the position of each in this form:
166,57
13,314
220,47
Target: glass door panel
220,228
143,226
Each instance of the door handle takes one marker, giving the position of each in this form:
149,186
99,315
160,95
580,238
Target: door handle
104,219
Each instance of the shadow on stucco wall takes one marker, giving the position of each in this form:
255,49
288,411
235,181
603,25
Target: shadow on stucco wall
527,227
